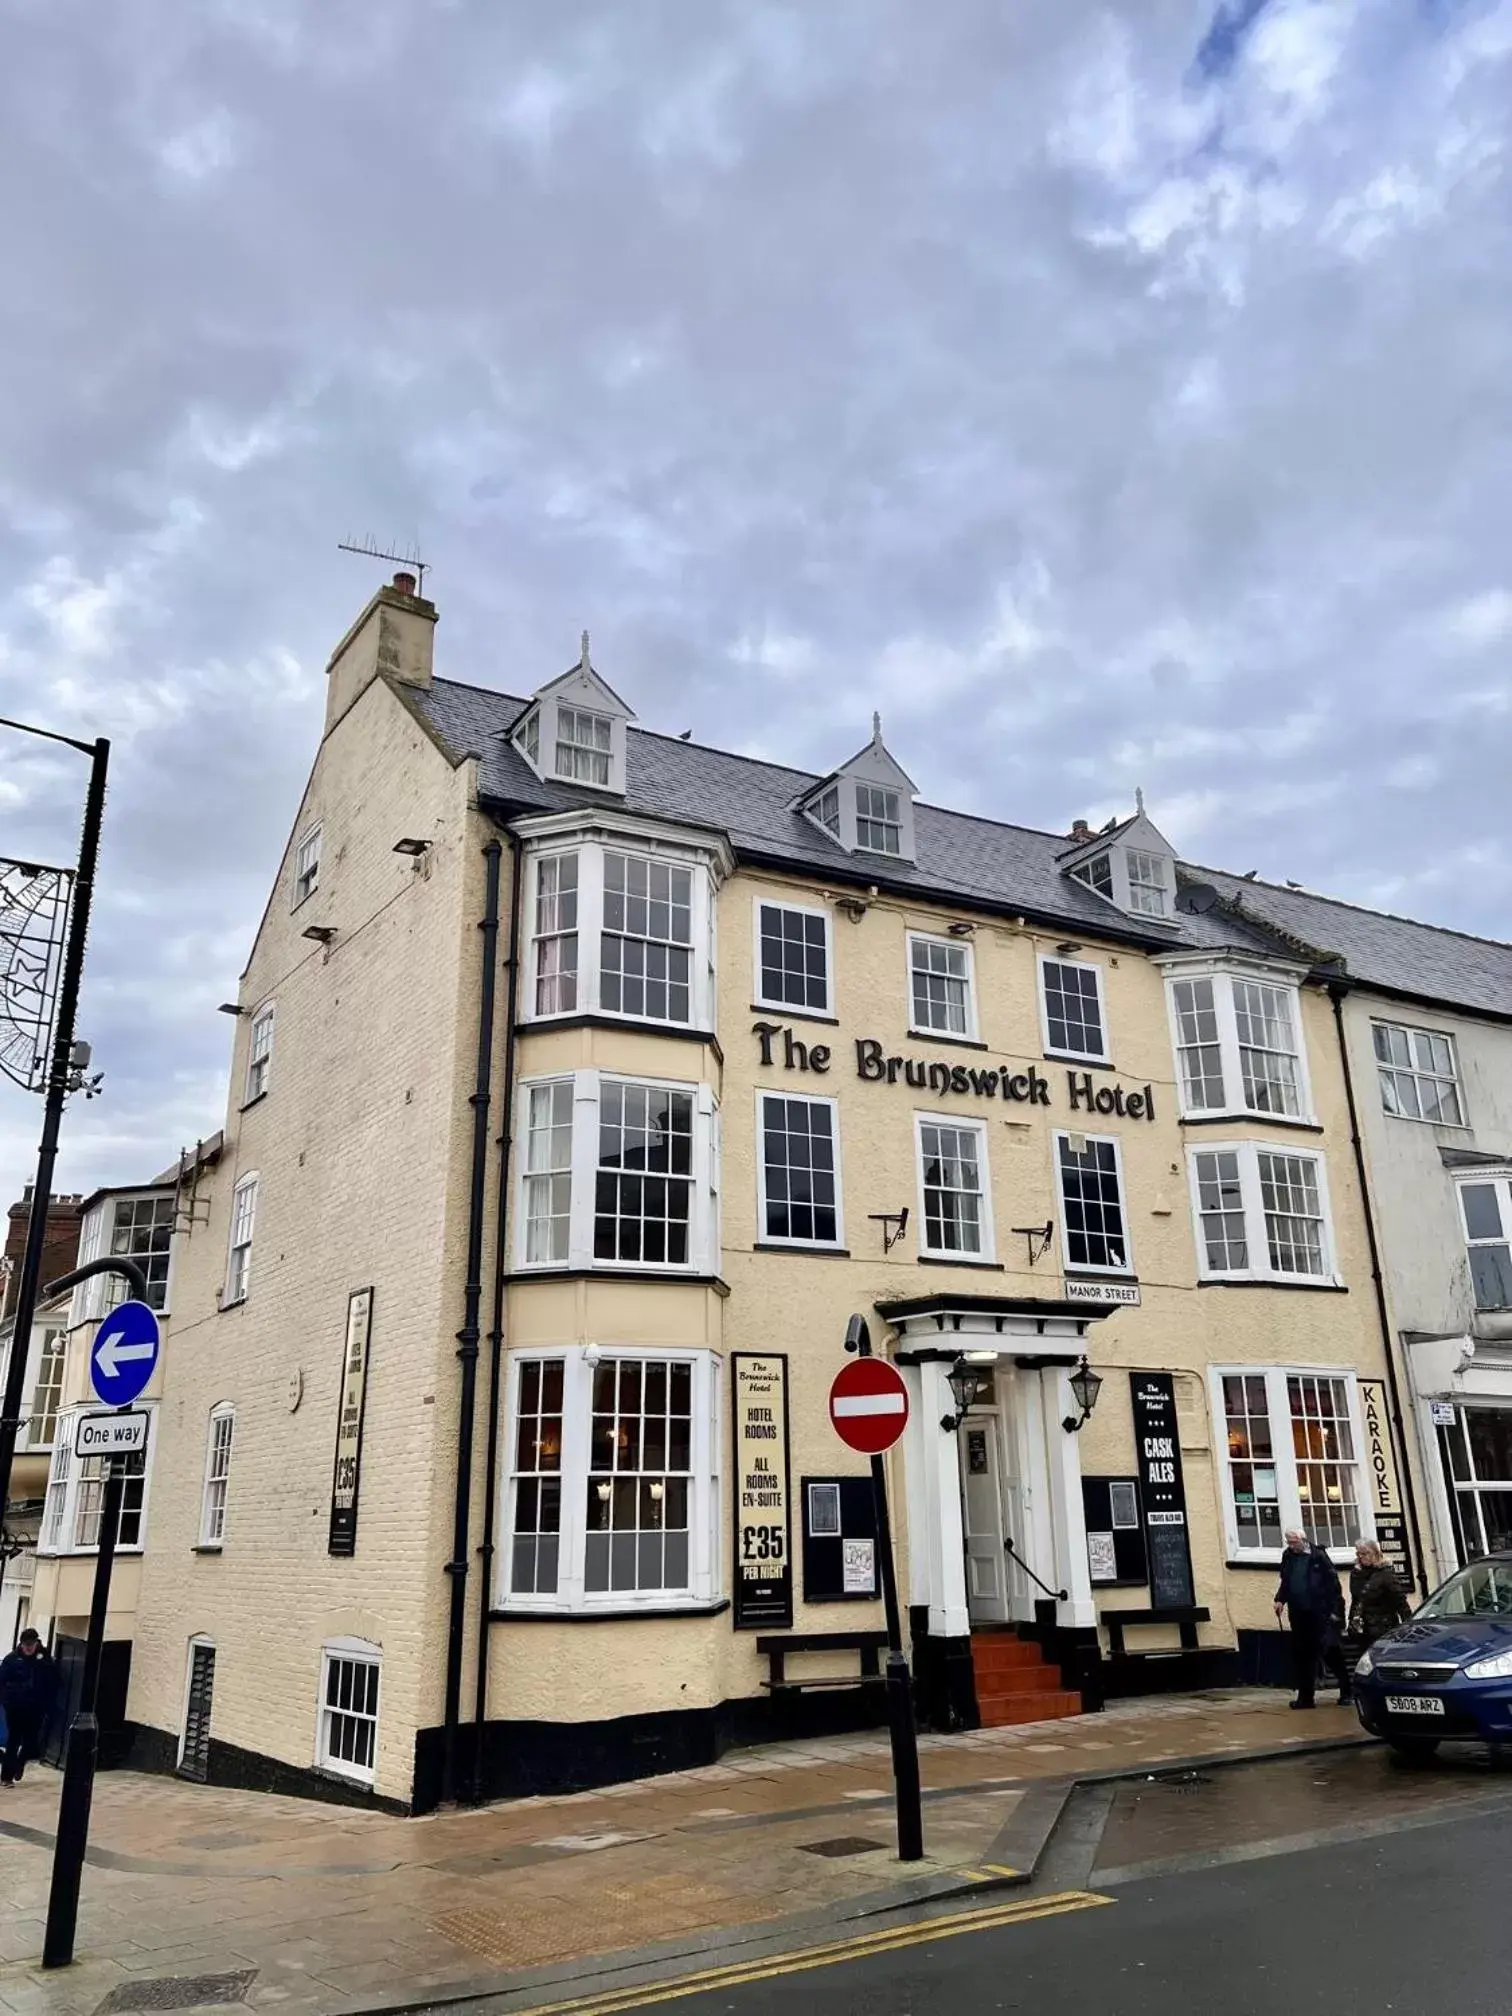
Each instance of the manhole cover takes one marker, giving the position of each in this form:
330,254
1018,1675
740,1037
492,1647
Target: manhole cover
179,1991
843,1844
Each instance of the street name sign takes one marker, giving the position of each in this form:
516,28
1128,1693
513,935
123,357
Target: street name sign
124,1354
868,1405
111,1434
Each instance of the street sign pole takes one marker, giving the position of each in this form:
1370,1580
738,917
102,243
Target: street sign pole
900,1708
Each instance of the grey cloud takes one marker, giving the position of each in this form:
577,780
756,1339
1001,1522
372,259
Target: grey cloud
1113,394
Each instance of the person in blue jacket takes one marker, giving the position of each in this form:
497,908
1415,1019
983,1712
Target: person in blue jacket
28,1683
1310,1598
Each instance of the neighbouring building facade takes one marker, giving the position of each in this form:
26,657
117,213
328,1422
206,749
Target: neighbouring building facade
41,1402
588,1082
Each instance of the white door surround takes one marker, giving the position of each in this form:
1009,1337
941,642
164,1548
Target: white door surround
1033,1348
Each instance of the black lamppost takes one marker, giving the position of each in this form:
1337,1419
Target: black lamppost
27,1020
1085,1386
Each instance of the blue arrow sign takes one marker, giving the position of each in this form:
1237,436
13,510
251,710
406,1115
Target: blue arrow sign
124,1353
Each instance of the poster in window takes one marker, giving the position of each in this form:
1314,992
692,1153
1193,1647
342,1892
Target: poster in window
1102,1557
1157,1437
824,1511
839,1540
859,1567
348,1472
1115,1532
763,1531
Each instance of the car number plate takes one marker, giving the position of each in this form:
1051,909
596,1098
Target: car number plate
1414,1704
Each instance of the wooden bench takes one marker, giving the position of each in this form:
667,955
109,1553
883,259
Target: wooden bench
777,1651
1187,1615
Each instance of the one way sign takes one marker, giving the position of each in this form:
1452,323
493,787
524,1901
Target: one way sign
124,1353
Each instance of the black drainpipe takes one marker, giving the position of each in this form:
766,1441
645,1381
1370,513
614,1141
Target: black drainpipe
1336,993
467,1336
496,1328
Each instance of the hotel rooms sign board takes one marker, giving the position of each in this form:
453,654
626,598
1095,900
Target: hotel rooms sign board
1083,1094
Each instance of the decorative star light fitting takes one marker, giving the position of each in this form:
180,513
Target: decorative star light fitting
34,902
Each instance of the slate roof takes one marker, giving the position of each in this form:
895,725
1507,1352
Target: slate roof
979,863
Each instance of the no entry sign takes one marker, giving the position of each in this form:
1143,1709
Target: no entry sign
868,1405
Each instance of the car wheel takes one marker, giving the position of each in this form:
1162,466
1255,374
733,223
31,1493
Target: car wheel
1414,1749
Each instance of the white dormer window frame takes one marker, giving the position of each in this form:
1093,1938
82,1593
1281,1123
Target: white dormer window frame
584,747
575,732
867,805
1131,866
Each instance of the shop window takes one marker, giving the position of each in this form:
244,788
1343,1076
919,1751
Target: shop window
1071,1007
954,1210
799,1170
1094,1225
793,958
618,1172
1486,1207
623,932
612,1487
940,990
1261,1215
1239,1046
1419,1074
1291,1439
348,1739
1476,1452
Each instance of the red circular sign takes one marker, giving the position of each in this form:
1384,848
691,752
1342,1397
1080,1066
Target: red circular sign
868,1405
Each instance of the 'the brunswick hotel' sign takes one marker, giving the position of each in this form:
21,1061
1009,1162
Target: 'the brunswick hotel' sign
996,1081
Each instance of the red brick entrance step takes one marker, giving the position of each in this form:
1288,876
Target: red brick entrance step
1015,1682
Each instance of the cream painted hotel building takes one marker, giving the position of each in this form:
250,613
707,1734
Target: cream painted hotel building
586,1083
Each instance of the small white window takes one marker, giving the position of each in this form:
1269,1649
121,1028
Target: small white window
59,1483
940,992
879,820
307,866
584,743
827,808
243,1221
1486,1205
1094,1224
613,1496
259,1053
47,1390
217,1475
548,1174
954,1207
556,934
1148,892
1072,1008
142,1230
1097,874
793,958
798,1169
348,1740
1419,1074
530,738
1291,1442
1238,1046
1262,1214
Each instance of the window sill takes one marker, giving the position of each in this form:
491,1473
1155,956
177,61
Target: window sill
207,1547
1082,1063
654,1274
1271,1281
364,1783
247,1104
506,1615
814,1252
793,1014
1298,1125
300,901
236,1303
1102,1274
960,1260
639,1025
940,1036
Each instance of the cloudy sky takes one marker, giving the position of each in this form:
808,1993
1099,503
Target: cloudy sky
1111,394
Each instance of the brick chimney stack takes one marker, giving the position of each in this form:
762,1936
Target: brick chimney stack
394,636
60,1246
1080,831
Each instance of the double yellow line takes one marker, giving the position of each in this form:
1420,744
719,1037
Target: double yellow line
862,1947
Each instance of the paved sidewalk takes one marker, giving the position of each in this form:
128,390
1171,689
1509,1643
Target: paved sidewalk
325,1909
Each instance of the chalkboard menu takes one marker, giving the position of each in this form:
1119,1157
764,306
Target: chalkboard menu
1162,1488
839,1540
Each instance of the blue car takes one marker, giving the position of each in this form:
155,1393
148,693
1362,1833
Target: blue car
1446,1674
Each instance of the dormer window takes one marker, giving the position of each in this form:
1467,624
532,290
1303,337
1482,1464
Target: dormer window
574,731
879,820
1148,891
867,804
1129,864
584,745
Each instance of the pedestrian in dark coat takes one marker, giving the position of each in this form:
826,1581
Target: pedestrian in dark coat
1377,1600
28,1684
1311,1600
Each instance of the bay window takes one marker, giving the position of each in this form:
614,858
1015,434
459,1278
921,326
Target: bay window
1291,1443
138,1228
611,1480
76,1494
1261,1214
1238,1040
621,929
618,1172
1486,1211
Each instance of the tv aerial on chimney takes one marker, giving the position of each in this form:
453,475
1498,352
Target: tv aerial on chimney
370,548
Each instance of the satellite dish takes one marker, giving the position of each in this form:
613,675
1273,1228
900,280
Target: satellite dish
1199,897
